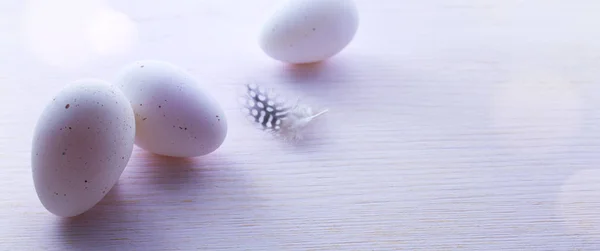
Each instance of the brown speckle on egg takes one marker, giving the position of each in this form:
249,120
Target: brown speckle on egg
67,106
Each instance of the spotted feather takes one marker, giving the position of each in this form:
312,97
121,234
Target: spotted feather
272,113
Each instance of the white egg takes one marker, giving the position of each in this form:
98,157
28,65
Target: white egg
175,115
82,142
308,31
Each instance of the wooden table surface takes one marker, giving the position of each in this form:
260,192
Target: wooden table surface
453,125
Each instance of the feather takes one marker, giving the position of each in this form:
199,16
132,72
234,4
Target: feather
274,114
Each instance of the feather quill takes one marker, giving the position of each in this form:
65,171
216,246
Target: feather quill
274,114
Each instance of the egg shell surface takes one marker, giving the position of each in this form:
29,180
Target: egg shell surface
82,142
175,115
309,31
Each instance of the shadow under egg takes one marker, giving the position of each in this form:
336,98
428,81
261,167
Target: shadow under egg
164,195
344,80
308,73
174,174
112,222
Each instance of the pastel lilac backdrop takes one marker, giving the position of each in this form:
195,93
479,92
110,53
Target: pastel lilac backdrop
453,125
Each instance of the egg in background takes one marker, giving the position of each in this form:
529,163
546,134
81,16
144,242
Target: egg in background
309,31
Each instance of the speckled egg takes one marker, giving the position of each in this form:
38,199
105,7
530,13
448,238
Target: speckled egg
175,115
309,31
82,142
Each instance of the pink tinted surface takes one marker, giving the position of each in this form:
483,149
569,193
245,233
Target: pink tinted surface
453,125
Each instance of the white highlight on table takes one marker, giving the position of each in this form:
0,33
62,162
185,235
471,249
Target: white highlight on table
67,33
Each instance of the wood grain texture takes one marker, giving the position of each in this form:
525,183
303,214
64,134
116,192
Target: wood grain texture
453,125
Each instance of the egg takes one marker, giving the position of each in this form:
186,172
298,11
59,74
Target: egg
82,142
309,31
175,115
